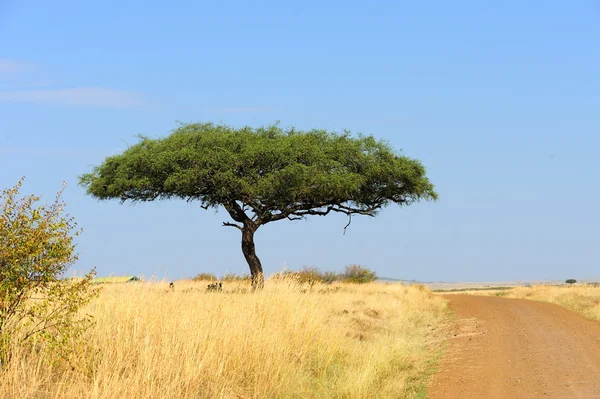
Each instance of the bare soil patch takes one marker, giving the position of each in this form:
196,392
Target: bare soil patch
515,348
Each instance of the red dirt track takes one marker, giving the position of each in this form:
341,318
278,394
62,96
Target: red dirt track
515,348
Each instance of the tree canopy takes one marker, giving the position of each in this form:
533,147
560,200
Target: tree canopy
261,175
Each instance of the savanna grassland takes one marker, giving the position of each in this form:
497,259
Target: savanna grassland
583,299
286,341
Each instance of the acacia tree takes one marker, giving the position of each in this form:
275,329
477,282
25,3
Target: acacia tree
262,175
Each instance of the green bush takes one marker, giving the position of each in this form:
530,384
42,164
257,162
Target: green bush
309,274
329,277
37,304
357,274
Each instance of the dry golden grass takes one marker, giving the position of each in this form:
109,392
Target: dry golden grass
339,341
582,299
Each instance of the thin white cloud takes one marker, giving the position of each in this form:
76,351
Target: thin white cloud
13,67
79,96
240,110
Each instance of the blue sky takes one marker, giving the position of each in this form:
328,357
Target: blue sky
498,99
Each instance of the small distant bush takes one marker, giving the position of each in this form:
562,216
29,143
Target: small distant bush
571,281
312,275
357,274
230,277
205,277
329,277
308,275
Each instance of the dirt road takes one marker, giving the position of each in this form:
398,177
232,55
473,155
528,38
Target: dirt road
515,348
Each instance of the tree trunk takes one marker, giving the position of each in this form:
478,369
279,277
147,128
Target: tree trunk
256,271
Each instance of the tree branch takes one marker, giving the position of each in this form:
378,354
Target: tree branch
236,212
349,221
299,211
227,224
314,212
368,211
